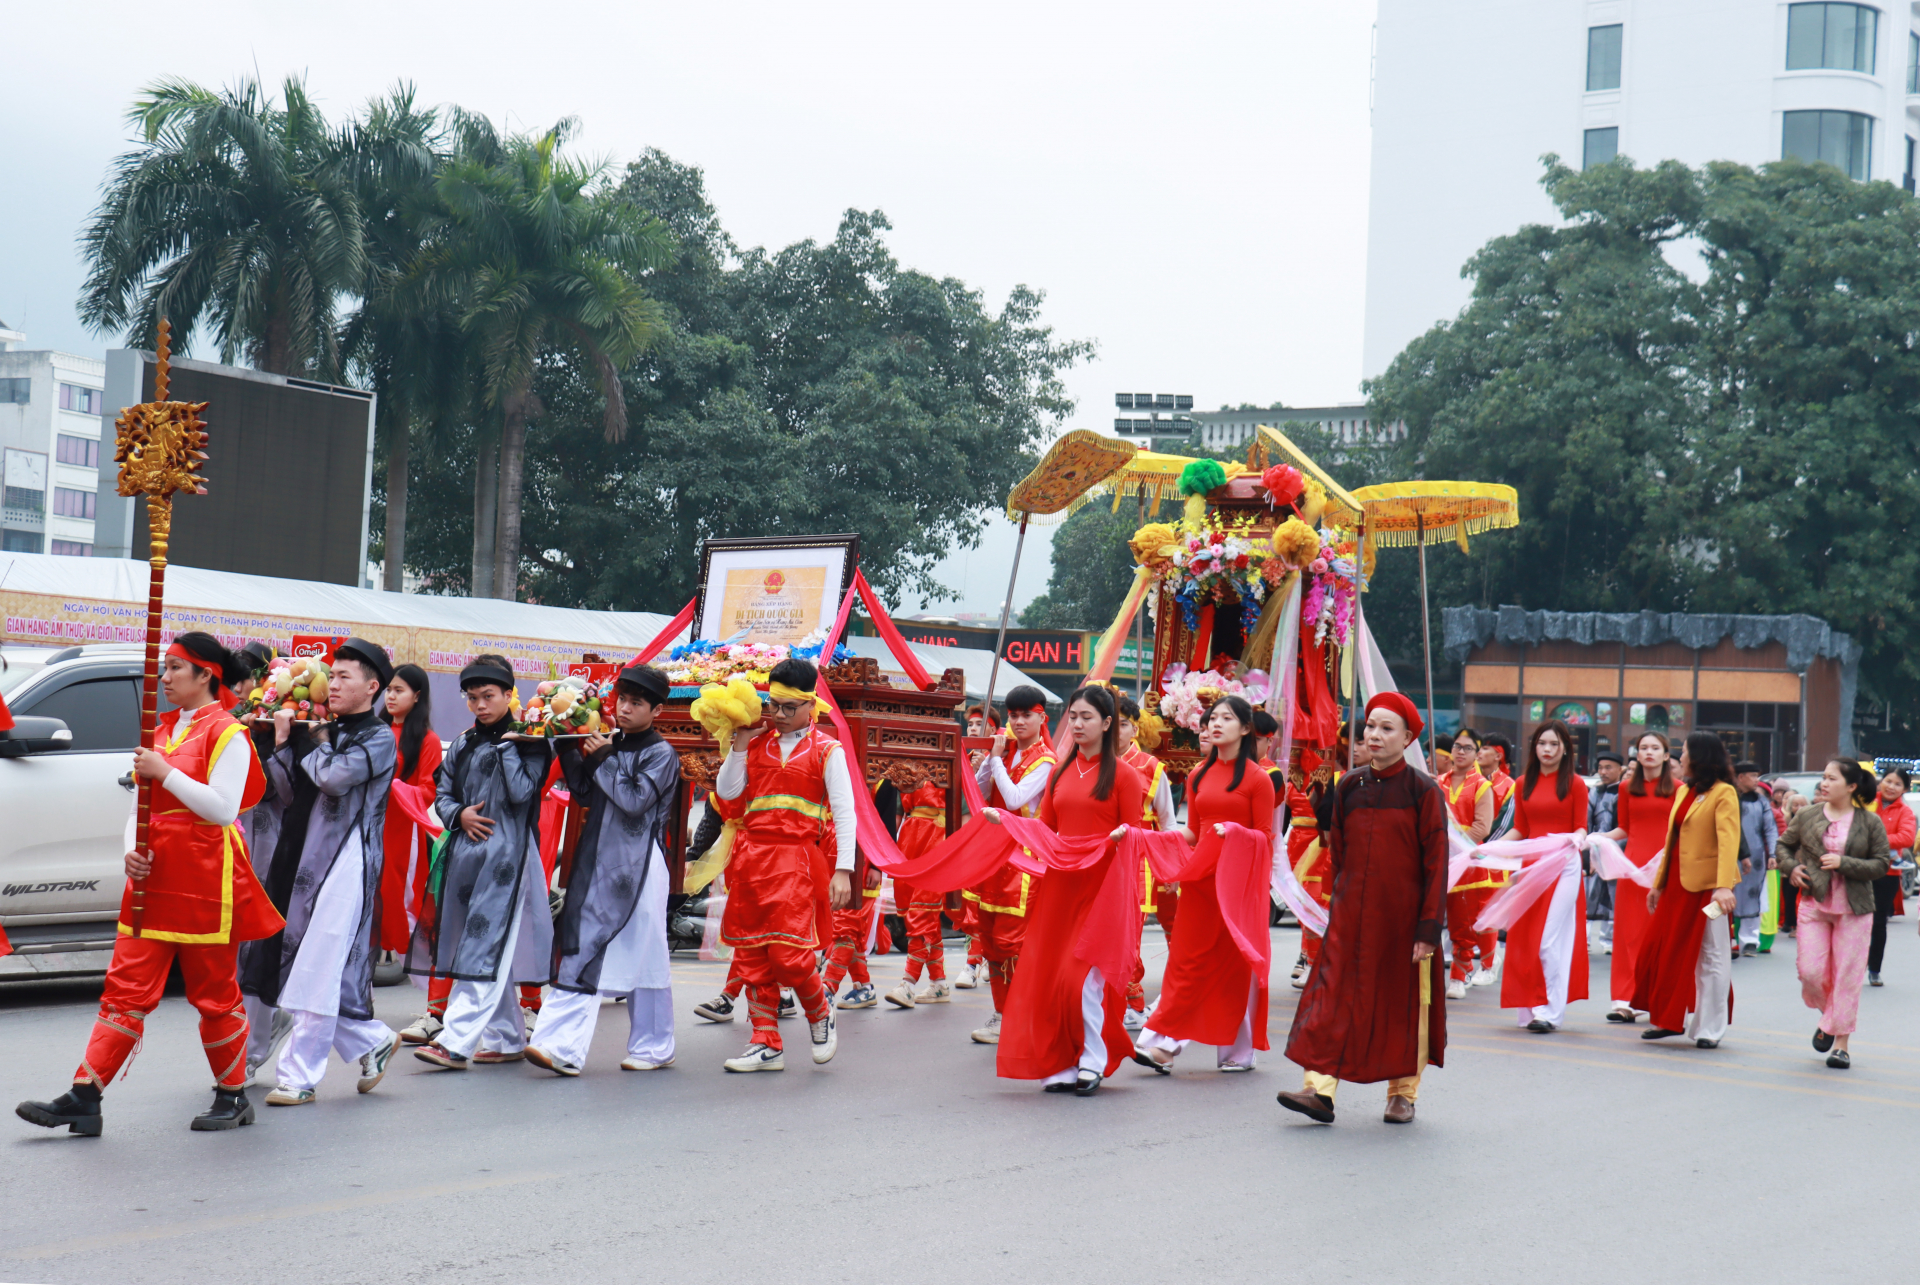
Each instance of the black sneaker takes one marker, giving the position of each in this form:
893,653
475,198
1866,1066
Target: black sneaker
789,1004
78,1108
717,1009
230,1110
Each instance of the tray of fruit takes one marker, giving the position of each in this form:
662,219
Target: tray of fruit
298,683
563,708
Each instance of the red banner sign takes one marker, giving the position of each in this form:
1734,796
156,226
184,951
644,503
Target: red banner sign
315,646
591,672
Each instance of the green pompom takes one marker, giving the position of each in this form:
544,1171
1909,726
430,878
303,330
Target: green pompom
1202,476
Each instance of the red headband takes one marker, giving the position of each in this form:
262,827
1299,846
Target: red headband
227,697
1400,705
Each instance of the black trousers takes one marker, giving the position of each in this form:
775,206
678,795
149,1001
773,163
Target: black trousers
1883,889
1789,906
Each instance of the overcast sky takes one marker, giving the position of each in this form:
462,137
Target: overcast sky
1187,184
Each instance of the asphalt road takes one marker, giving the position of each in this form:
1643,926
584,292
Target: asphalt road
1583,1156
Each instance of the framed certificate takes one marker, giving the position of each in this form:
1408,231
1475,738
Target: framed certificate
774,589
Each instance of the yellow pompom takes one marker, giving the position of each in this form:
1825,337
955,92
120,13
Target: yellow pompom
1153,545
1295,543
1152,731
723,711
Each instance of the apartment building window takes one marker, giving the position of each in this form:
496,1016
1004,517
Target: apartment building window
84,451
20,542
1839,37
87,401
72,549
1907,180
25,501
1603,58
15,392
69,503
1843,140
1602,146
1913,62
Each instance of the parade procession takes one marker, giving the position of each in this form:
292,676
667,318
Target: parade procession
606,674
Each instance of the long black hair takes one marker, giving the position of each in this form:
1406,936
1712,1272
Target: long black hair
1100,701
1564,777
210,655
1637,775
1708,762
419,720
1243,712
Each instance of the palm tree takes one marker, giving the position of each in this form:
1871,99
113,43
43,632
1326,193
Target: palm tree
234,211
538,259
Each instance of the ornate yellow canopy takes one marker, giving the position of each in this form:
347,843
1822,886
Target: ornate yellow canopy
1403,514
1342,510
1081,460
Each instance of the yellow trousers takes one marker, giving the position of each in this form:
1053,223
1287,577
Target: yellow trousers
1407,1086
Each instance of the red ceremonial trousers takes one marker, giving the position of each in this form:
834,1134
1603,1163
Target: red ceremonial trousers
1203,993
1359,1018
1086,912
772,876
1523,983
202,891
1644,817
1663,983
409,850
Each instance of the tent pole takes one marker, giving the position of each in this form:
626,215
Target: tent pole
1139,626
1353,641
1006,608
1426,639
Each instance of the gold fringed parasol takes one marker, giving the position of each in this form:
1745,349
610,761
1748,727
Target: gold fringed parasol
1079,461
1398,514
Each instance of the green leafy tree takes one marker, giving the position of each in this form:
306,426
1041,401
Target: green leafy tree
234,212
1738,443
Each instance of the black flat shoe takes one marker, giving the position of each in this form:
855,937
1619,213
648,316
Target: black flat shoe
230,1110
1706,1044
1086,1084
1839,1060
1821,1040
1624,1016
1539,1027
1062,1087
1147,1060
77,1108
1658,1033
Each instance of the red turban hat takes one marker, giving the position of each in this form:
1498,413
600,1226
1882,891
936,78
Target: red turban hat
1398,704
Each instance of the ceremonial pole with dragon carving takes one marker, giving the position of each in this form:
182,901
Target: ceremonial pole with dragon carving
159,446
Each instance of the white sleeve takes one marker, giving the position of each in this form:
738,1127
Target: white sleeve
1018,796
732,779
1163,804
133,816
840,799
218,800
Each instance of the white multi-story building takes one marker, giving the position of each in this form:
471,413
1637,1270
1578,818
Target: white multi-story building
1469,94
51,427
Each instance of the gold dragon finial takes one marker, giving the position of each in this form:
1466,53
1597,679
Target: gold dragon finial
159,445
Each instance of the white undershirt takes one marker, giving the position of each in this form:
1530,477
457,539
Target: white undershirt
732,782
216,800
1014,796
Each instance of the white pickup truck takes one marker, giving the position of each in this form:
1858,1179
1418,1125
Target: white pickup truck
65,786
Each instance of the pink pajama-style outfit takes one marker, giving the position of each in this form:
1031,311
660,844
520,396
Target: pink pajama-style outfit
1832,948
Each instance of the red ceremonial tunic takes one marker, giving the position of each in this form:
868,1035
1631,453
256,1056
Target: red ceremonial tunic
1152,771
773,880
1042,1030
409,851
202,891
1305,852
1523,982
922,825
1644,818
1203,994
1008,891
1367,1004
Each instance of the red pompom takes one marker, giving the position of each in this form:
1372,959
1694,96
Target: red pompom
1284,483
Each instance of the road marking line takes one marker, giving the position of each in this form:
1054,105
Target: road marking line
1685,1075
198,1226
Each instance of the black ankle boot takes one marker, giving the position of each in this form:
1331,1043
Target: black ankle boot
230,1110
78,1108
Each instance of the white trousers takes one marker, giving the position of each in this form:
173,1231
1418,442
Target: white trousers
1556,946
567,1018
486,1014
1239,1053
1713,984
1750,931
304,1061
1093,1045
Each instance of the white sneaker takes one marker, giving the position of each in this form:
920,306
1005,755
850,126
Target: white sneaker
789,1005
902,996
1456,989
990,1033
826,1039
641,1064
424,1029
373,1066
940,992
550,1062
967,978
287,1096
1300,976
861,996
1483,977
1133,1020
758,1057
531,1016
717,1009
1300,967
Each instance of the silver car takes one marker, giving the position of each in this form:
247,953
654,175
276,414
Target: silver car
66,784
